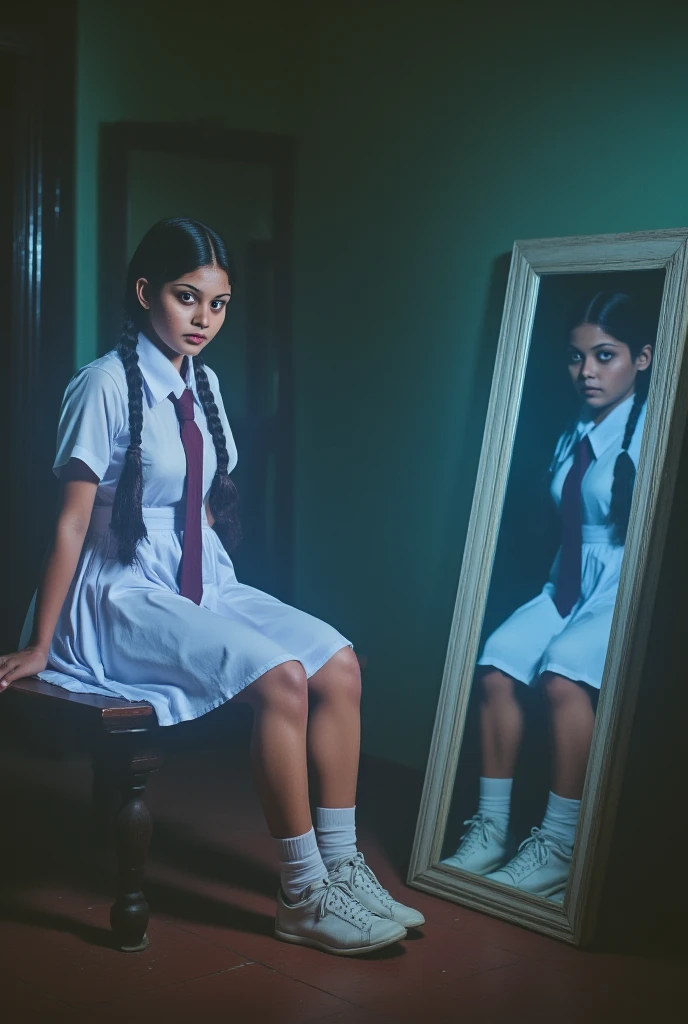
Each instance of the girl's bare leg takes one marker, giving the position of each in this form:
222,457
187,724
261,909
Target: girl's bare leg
279,700
572,720
501,723
334,728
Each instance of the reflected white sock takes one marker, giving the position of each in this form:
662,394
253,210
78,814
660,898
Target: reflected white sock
300,863
336,828
561,818
495,800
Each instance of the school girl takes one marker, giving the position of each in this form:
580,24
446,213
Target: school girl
139,598
559,640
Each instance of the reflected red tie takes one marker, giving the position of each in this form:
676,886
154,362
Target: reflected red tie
569,579
191,575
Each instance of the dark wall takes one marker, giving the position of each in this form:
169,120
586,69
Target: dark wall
37,56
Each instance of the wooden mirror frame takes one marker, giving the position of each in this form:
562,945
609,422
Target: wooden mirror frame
574,920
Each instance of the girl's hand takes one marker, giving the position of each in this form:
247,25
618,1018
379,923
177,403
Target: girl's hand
23,663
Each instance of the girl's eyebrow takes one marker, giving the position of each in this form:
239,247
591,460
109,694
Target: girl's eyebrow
601,344
193,288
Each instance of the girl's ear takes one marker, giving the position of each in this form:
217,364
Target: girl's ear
143,292
644,358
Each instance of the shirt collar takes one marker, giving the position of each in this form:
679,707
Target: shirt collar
160,375
609,430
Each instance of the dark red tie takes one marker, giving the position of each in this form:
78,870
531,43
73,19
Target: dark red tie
191,574
569,579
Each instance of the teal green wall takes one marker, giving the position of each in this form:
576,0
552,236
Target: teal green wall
428,142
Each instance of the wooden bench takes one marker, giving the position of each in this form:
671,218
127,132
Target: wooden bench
122,740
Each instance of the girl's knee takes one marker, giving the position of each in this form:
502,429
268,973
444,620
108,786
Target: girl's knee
560,690
496,685
340,675
350,670
284,687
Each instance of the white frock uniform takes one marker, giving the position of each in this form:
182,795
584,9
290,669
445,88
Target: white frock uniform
126,631
536,639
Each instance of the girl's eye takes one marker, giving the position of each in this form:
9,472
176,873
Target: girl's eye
574,357
186,297
218,303
604,356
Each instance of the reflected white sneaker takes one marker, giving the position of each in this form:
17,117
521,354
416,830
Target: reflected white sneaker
329,917
541,865
356,874
482,848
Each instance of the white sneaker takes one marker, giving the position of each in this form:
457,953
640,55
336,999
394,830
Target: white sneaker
541,865
356,874
329,917
482,847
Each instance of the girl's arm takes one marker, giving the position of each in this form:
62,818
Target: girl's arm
77,494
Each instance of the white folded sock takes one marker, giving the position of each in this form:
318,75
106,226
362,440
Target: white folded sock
300,863
336,830
495,800
561,818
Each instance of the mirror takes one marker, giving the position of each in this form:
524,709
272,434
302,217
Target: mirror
556,587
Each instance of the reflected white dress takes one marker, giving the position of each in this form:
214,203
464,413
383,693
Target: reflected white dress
126,631
536,639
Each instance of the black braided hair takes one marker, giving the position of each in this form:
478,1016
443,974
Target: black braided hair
127,518
623,319
223,498
170,249
624,467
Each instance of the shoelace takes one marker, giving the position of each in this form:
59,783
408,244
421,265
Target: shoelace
338,899
532,853
364,876
477,834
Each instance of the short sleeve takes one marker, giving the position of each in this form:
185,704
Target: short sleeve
92,415
229,437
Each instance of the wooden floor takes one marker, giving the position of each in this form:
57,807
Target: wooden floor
212,882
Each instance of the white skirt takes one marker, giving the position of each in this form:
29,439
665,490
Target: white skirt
125,631
536,639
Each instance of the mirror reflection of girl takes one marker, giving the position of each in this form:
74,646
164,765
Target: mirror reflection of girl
110,616
559,640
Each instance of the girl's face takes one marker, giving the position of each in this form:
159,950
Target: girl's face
602,369
186,314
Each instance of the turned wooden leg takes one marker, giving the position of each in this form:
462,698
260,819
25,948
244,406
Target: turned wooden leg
133,826
106,800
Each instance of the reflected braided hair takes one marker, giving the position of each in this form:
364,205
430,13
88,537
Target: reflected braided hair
171,248
616,314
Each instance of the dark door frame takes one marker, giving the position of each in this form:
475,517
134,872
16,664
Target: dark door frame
117,141
38,346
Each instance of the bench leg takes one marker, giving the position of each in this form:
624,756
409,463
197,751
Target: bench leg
133,826
105,801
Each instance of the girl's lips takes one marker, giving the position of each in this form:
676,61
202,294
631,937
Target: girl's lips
195,339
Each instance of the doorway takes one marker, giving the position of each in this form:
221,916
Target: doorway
241,187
